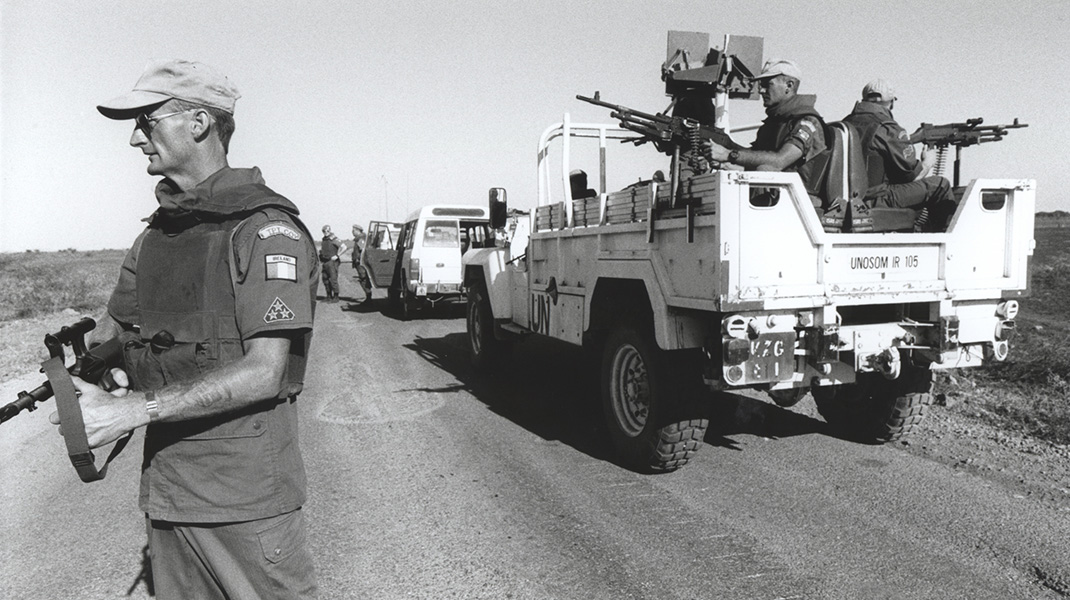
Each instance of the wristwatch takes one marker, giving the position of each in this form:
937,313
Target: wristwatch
733,156
152,406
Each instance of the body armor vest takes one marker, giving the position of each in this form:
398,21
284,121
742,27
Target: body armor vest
223,468
776,129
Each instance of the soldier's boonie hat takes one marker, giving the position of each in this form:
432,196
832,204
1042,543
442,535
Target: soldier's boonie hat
776,67
879,87
180,79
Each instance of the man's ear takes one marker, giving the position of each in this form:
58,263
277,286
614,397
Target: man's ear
200,124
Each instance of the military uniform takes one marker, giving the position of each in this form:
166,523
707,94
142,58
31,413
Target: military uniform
218,264
329,249
360,240
892,166
795,122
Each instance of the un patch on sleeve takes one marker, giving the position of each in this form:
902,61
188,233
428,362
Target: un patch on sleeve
280,266
278,311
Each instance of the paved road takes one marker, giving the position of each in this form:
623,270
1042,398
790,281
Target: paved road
427,481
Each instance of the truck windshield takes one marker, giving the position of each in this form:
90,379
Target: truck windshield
441,234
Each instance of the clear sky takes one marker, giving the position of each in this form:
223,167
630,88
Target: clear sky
368,110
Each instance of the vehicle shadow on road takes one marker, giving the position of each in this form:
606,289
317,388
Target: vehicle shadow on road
442,310
548,389
736,414
543,388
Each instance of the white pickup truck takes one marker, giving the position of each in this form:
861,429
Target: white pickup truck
736,284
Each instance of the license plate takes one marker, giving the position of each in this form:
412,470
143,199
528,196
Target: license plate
772,358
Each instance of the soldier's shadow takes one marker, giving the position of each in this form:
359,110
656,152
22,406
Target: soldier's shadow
144,576
551,389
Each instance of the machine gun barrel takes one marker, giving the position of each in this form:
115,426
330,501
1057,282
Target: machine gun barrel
640,122
964,134
665,131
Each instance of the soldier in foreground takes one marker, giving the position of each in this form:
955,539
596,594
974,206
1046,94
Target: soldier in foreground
215,303
897,177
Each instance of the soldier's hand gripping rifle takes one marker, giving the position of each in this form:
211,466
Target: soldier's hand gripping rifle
667,133
92,365
959,135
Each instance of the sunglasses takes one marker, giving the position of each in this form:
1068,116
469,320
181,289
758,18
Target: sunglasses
146,123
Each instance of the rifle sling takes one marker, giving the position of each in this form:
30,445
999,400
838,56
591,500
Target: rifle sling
73,426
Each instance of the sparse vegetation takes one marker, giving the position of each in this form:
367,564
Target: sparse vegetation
1031,391
39,283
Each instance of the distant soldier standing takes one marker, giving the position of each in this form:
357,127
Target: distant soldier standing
330,248
360,239
897,177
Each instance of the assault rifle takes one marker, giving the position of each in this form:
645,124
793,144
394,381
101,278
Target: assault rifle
668,134
959,135
93,365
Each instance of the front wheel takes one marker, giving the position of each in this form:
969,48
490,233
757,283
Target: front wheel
651,400
487,351
875,410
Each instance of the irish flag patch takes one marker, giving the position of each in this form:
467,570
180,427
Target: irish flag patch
281,266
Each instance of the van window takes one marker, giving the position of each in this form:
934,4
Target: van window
441,234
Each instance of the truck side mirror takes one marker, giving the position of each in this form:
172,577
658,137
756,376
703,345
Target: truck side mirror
499,208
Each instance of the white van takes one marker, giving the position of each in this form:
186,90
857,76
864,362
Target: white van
432,242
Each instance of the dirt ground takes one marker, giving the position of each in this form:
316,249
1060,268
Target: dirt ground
956,435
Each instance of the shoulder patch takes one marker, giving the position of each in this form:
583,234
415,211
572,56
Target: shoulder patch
278,311
278,229
280,266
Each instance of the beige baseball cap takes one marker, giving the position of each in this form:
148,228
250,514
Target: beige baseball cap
776,67
180,79
879,87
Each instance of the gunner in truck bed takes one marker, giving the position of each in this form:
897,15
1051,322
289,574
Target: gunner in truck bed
897,177
792,135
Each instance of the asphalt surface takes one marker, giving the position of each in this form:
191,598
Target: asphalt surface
427,480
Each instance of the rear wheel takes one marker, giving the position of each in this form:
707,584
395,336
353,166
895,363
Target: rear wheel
875,410
487,351
652,401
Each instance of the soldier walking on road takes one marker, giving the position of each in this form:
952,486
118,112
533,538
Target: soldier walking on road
360,239
330,249
214,305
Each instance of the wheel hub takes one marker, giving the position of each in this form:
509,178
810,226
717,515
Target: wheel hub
631,390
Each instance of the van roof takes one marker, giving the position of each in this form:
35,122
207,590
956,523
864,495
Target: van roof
460,211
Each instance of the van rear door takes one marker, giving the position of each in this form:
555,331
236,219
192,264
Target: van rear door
380,252
440,256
